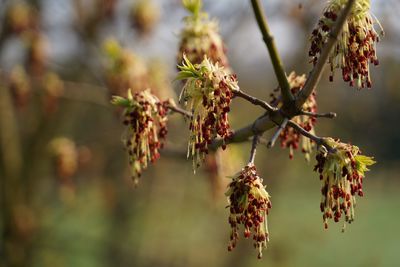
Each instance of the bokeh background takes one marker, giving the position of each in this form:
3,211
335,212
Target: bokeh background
66,196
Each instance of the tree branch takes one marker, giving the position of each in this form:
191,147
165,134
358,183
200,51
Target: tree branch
320,141
255,101
271,143
329,115
260,125
173,107
253,149
316,73
287,95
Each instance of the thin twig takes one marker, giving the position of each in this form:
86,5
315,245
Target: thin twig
255,101
320,141
260,125
253,148
173,107
287,95
329,115
316,73
271,143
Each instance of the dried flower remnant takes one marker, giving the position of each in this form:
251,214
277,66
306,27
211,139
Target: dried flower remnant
123,69
200,37
289,138
341,171
20,86
21,17
207,93
66,156
37,50
144,15
91,14
145,117
249,204
356,45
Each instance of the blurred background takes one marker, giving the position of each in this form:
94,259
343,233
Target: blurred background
66,195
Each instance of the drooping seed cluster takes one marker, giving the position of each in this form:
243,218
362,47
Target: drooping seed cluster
356,45
289,138
249,204
200,37
207,94
145,117
341,172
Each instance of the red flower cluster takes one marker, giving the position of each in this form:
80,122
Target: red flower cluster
145,118
207,93
249,204
289,138
341,172
356,46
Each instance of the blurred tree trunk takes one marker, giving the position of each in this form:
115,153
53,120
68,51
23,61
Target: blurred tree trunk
15,232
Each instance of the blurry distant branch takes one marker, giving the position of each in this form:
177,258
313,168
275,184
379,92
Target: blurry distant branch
9,136
287,95
74,91
11,157
316,73
88,93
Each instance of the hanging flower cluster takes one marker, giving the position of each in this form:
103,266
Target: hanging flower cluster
146,119
144,16
249,204
66,156
341,172
207,94
289,138
21,17
123,69
356,45
201,37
